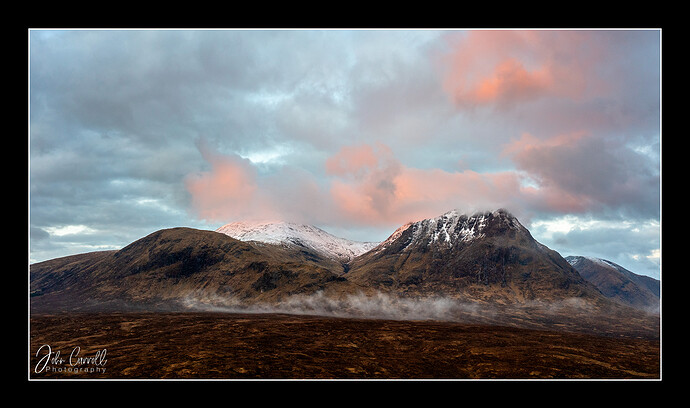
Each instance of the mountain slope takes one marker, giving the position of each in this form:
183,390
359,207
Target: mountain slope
485,256
298,235
618,283
169,267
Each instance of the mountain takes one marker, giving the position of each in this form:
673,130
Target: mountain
618,283
171,266
297,235
486,256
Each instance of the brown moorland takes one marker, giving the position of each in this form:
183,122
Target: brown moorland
280,346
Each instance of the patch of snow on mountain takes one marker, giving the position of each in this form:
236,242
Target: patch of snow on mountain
602,262
394,236
575,260
447,228
285,233
453,226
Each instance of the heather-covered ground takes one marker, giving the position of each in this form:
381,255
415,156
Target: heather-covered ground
281,346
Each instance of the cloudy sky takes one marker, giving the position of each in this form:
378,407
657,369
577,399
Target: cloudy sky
355,131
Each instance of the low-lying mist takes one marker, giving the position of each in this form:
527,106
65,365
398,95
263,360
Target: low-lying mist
570,314
574,313
379,306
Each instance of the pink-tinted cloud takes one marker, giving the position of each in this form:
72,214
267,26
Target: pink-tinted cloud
364,188
353,160
233,190
433,190
505,67
569,173
228,190
368,186
392,193
511,82
528,142
580,172
541,159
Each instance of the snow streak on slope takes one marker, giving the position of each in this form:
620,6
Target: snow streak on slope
286,233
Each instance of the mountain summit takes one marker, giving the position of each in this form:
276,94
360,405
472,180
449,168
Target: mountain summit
484,256
452,229
297,235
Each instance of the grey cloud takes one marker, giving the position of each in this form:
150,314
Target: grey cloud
115,116
38,234
134,82
612,175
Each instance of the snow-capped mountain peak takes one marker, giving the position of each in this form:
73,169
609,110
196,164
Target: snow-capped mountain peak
451,227
300,235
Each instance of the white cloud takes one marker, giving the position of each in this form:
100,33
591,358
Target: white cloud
654,255
272,155
69,230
